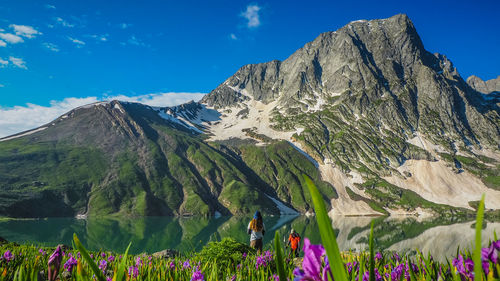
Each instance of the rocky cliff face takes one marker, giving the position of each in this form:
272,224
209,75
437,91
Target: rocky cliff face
380,124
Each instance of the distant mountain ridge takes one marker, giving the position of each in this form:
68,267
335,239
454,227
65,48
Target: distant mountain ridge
380,124
485,87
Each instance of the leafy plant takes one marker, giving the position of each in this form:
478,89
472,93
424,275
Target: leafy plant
225,252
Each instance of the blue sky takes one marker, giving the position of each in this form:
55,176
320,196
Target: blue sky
58,54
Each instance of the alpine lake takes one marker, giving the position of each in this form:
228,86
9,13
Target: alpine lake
187,234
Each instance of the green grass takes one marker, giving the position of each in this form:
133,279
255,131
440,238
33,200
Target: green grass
280,166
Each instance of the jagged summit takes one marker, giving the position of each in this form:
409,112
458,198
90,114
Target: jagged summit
485,87
354,56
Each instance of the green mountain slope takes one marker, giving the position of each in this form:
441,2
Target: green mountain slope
118,158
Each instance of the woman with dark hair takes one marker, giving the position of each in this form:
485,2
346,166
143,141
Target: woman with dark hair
256,229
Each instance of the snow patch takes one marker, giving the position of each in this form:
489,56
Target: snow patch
319,103
23,134
231,125
357,21
93,104
296,146
423,143
117,106
438,183
171,118
284,210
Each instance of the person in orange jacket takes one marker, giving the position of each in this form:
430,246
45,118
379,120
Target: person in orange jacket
294,243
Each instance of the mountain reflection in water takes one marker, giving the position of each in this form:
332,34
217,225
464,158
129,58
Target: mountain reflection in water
151,234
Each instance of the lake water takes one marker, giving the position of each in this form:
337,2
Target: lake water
152,234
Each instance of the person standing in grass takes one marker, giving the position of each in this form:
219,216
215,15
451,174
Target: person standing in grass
256,229
294,243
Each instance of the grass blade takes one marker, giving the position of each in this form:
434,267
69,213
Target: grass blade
326,232
120,273
88,259
278,256
372,255
476,257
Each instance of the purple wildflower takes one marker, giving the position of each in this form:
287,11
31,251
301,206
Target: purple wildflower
138,262
396,257
299,274
54,263
366,275
397,272
133,271
197,275
102,265
70,263
172,265
491,253
260,261
103,255
378,256
8,256
312,260
186,265
111,258
464,267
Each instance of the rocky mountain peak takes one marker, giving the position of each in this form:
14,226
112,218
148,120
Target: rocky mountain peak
485,87
360,54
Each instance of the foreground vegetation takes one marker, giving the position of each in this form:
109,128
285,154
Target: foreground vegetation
231,260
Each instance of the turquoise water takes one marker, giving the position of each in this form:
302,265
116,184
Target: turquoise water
152,234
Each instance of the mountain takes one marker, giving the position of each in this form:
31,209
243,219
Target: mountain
485,87
380,124
126,158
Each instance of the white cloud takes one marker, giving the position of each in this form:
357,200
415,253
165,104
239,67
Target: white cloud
3,62
11,38
2,85
252,15
233,37
135,41
124,25
25,30
63,22
19,62
21,118
102,38
2,43
51,46
79,43
48,6
160,99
